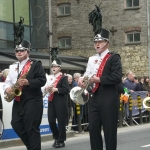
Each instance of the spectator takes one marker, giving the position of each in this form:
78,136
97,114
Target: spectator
70,78
146,84
76,77
138,87
141,82
128,74
130,83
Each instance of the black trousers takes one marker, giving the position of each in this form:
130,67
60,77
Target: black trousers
26,122
103,114
57,109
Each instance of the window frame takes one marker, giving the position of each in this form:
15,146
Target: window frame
134,42
65,38
64,5
132,7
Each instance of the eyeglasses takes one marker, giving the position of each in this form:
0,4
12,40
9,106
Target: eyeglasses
19,51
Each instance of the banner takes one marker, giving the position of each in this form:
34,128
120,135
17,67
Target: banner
6,128
134,96
39,21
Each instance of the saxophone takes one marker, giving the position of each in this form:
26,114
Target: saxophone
16,89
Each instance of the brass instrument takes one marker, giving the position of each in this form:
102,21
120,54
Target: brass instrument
16,91
146,103
81,95
45,92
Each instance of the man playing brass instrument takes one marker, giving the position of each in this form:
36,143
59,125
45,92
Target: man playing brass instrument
28,107
57,87
104,105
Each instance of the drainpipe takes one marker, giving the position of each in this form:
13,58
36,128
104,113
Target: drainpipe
50,32
148,35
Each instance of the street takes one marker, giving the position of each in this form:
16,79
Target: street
129,138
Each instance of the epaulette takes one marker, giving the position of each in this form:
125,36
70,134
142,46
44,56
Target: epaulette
114,53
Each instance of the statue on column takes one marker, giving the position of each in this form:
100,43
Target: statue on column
19,31
54,52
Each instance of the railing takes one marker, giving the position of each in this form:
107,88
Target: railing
130,113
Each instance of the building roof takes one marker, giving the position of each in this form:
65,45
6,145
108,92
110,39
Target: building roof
68,62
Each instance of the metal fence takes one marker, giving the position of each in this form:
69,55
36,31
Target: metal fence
78,119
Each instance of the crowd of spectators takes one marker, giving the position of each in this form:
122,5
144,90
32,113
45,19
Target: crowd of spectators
72,112
134,83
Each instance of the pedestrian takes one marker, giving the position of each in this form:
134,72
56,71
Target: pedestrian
75,128
58,88
28,108
70,78
105,72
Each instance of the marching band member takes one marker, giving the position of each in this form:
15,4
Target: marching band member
107,72
28,108
57,87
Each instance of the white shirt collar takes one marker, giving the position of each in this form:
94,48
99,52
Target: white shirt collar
58,74
24,61
104,53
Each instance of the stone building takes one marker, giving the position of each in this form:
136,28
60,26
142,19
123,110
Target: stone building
36,30
128,21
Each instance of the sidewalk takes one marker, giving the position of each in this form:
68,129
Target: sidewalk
18,142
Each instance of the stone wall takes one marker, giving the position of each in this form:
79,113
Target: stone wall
134,57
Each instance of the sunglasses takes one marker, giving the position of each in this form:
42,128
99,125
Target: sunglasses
19,51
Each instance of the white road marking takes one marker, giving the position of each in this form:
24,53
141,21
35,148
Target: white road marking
146,145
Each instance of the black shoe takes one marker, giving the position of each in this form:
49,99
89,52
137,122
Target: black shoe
54,144
59,144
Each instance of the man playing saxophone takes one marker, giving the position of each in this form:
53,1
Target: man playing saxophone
28,76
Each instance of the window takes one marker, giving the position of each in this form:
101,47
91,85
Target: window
22,9
133,37
64,42
132,3
6,10
6,36
64,9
